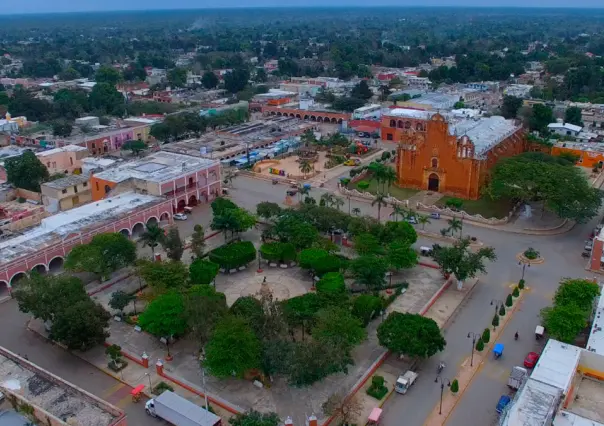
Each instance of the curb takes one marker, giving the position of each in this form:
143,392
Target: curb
456,311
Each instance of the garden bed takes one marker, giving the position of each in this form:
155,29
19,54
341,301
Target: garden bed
395,191
485,207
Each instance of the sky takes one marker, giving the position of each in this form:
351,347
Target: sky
55,6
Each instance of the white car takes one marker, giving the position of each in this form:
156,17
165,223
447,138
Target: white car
180,216
412,220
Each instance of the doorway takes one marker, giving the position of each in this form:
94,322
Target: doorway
433,182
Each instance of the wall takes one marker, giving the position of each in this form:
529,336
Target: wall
61,162
97,186
586,158
591,365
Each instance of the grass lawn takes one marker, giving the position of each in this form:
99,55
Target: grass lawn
395,191
484,206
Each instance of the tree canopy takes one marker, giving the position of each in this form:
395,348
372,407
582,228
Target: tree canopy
26,171
411,334
459,260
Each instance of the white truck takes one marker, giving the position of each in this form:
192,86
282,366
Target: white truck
517,376
404,382
179,411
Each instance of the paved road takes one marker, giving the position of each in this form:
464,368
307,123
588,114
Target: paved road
16,338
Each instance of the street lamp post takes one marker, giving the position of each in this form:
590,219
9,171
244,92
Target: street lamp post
149,377
475,337
524,265
443,382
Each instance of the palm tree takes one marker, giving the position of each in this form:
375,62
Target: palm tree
152,237
397,211
356,211
455,225
305,167
389,177
379,200
327,198
337,202
423,219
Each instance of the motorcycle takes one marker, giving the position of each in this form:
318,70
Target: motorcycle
441,366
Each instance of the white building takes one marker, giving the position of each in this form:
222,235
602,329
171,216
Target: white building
564,129
367,112
518,90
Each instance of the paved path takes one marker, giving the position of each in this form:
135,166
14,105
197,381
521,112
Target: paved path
16,338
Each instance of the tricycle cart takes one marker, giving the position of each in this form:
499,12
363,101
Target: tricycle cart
539,331
374,417
498,350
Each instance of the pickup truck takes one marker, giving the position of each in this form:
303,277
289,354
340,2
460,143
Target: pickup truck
404,382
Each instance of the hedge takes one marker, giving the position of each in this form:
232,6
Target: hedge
203,271
309,256
233,255
332,282
278,252
366,307
323,265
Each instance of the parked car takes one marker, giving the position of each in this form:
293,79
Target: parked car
531,359
412,220
589,244
504,400
180,216
434,215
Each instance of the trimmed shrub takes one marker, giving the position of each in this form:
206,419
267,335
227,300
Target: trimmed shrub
330,263
501,310
516,292
486,335
480,345
309,256
161,387
366,307
521,284
331,282
454,203
377,388
377,381
508,301
531,253
203,271
454,386
495,321
233,255
278,252
363,185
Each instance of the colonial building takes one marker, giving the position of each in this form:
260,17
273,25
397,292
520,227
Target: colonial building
451,156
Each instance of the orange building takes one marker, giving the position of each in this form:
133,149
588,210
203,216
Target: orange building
449,156
590,154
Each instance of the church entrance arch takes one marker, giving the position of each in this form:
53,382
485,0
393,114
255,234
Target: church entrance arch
433,182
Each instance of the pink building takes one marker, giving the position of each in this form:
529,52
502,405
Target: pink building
63,160
44,247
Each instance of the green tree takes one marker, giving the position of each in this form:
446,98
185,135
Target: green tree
204,307
235,220
300,311
165,317
26,171
495,321
455,225
361,91
564,322
233,349
541,116
163,276
509,301
578,292
209,80
62,128
135,146
347,104
454,386
399,232
68,74
198,242
296,231
249,309
236,80
108,75
268,210
331,283
423,220
203,271
459,105
501,310
572,115
255,418
261,76
81,326
480,345
365,244
106,253
152,237
177,77
338,326
462,262
173,244
105,98
366,307
411,334
510,106
44,296
120,299
369,271
486,335
401,255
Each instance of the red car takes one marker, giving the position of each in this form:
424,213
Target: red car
531,359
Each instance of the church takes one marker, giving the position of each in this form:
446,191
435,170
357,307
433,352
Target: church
446,153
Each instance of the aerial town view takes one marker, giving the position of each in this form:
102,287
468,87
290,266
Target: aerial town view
263,214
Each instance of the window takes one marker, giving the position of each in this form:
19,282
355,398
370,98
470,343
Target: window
190,181
71,161
389,137
434,163
75,188
48,164
64,191
85,184
93,145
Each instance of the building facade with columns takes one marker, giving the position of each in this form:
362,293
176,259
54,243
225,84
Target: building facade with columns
184,179
448,155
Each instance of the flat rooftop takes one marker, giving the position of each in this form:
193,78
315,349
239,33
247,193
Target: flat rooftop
534,405
588,400
55,228
67,148
410,113
595,343
557,364
66,182
582,146
566,418
54,395
157,167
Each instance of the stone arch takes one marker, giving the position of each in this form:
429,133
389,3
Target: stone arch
392,123
16,278
298,116
138,229
340,121
164,217
181,205
3,288
55,264
407,124
399,124
272,113
313,118
433,182
292,115
192,200
306,117
320,119
125,232
279,114
334,120
152,221
40,269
